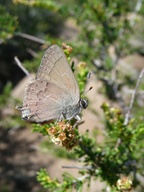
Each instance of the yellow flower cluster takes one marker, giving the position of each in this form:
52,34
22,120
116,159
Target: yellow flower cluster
124,184
63,134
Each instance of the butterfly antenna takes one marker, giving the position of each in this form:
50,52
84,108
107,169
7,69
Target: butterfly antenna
22,67
87,91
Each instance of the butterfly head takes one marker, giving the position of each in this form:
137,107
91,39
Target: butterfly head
83,103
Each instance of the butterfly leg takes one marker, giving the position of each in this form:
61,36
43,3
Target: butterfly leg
61,117
78,122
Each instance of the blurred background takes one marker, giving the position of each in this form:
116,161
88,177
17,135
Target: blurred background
106,35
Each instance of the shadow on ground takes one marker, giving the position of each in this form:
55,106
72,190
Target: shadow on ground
17,168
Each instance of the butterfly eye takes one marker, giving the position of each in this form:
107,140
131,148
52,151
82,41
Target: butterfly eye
83,103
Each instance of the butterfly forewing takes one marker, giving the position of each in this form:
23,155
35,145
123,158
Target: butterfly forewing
56,69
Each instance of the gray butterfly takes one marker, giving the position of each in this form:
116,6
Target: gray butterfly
54,93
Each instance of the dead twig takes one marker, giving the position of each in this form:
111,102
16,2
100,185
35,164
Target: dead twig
32,52
22,67
127,116
77,167
32,38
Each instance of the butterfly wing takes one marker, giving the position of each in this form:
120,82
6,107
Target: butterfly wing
55,68
54,88
43,101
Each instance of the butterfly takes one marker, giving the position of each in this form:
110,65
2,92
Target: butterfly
54,93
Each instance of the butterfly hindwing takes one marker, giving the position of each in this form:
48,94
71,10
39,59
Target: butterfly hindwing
42,101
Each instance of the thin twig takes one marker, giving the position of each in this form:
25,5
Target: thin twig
84,177
32,52
118,143
32,38
77,167
127,116
137,8
22,67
